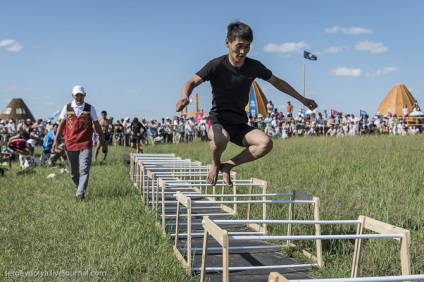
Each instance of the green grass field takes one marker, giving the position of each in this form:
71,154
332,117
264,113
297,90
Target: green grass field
376,176
112,236
109,236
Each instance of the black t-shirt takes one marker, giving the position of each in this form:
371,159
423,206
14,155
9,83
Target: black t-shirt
136,128
231,87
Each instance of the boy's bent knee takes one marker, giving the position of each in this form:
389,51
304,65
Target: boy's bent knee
268,145
220,144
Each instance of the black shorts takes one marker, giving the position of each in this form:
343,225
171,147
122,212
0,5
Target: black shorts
236,132
108,137
135,139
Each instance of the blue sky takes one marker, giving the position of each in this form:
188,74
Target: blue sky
133,57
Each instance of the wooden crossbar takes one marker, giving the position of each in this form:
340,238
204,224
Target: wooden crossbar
381,229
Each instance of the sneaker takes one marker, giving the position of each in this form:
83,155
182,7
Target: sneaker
80,197
51,161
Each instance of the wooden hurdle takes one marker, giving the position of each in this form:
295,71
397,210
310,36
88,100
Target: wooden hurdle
169,165
134,161
183,183
160,165
277,277
382,230
162,182
258,226
211,199
135,157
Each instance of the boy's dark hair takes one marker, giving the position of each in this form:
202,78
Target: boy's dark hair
24,135
239,29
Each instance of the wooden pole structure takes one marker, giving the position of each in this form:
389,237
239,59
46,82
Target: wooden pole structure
196,109
196,101
303,90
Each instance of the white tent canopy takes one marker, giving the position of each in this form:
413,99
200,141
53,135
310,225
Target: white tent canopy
417,114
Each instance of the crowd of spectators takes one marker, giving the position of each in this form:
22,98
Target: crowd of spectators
125,132
276,125
20,138
153,132
183,130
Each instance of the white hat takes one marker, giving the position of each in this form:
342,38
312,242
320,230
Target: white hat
78,90
2,121
31,142
127,118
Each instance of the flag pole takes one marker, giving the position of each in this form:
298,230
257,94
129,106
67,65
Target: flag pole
303,90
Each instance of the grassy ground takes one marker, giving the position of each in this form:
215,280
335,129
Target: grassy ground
112,236
376,176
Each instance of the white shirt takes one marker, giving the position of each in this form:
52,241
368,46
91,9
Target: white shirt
405,111
78,111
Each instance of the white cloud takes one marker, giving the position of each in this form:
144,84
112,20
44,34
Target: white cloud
11,45
348,30
384,71
285,47
348,72
16,88
16,47
6,42
373,47
335,49
30,97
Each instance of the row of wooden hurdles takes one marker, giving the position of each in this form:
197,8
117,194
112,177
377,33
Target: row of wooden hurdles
170,184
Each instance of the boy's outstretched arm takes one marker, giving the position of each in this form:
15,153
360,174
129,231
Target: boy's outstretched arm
283,86
186,92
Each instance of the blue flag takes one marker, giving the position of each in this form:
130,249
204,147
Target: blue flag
309,56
